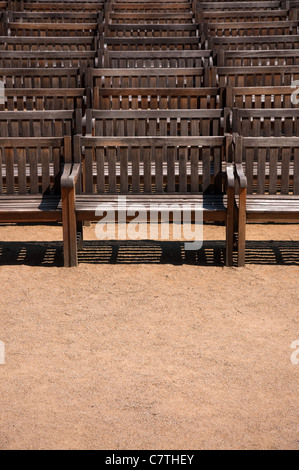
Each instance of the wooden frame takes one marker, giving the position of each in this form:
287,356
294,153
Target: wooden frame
272,199
34,199
85,197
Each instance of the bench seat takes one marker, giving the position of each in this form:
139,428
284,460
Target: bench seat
214,206
30,208
275,206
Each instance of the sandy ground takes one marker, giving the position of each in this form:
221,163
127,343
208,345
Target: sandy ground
147,347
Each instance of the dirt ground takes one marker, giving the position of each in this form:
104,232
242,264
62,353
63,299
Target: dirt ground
144,346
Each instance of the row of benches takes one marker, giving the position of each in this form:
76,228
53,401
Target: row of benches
170,153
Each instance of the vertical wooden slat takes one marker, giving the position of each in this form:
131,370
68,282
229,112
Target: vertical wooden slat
33,165
45,164
135,159
88,170
111,157
124,182
285,170
296,171
100,162
22,181
158,153
183,157
249,160
147,162
261,167
273,161
206,170
9,161
194,169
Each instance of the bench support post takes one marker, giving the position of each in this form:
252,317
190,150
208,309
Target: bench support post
69,228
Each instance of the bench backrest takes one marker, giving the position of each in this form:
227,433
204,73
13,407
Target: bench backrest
39,99
55,6
254,42
151,43
41,59
237,16
255,76
148,78
263,28
33,165
37,123
276,160
53,29
153,123
151,30
250,58
148,7
153,18
266,122
103,154
157,98
25,43
156,59
40,78
53,17
227,6
260,97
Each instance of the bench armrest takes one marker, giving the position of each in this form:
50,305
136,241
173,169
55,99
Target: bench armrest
240,176
230,175
71,173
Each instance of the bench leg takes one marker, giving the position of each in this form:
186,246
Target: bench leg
230,230
70,248
242,228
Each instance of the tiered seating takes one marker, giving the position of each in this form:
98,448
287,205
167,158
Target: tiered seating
161,102
155,131
42,63
256,48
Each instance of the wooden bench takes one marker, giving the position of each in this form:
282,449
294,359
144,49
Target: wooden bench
150,18
227,6
55,17
264,28
157,98
255,76
151,30
37,124
182,43
243,16
293,9
54,29
36,200
266,122
272,199
254,42
41,78
200,122
217,203
40,59
157,59
148,78
39,99
54,6
163,123
252,58
148,7
260,97
26,43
